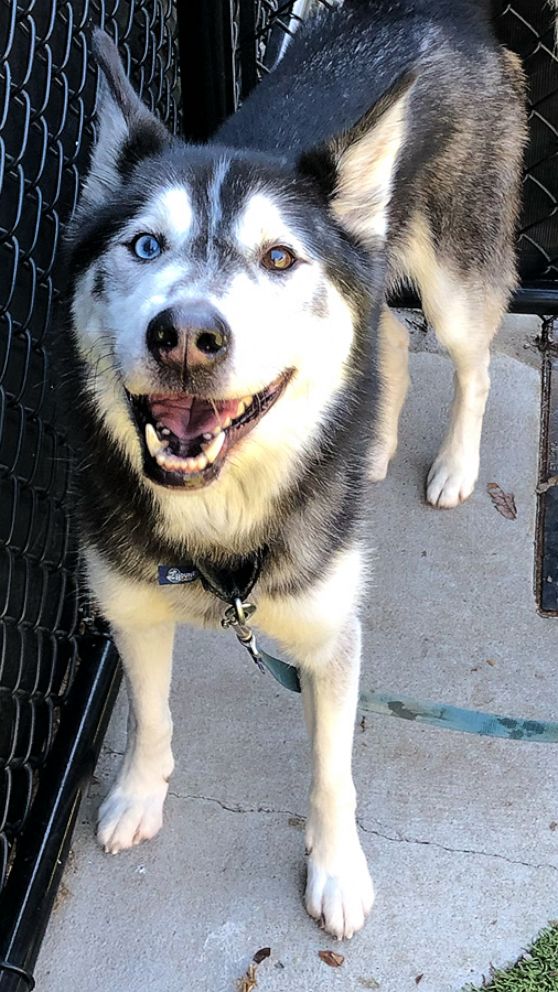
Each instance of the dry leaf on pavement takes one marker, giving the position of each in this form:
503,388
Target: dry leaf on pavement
261,955
249,982
332,958
543,487
504,502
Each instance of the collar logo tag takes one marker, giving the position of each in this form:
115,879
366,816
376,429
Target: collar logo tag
176,575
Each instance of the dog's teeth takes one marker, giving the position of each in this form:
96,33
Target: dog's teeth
247,400
173,463
212,450
240,409
207,436
165,432
226,423
153,442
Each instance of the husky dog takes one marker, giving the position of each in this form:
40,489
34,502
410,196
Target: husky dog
240,376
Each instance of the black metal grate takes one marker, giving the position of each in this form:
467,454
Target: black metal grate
47,100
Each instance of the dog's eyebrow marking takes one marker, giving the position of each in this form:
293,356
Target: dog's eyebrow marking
214,197
174,209
262,222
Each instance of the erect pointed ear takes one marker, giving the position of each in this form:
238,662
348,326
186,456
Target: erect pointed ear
356,169
127,130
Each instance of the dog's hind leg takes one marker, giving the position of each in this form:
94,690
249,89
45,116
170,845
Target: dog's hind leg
393,360
465,314
133,810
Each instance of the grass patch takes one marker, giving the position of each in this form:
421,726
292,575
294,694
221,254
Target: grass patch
536,971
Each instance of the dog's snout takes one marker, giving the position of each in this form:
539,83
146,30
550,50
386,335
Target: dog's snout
188,337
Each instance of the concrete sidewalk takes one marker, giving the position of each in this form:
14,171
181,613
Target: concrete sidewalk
460,832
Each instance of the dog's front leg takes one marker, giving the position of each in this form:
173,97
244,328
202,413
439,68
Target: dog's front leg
133,810
339,888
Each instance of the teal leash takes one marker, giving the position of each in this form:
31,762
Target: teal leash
446,717
424,712
443,716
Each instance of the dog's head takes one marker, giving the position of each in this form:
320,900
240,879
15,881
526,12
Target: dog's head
218,295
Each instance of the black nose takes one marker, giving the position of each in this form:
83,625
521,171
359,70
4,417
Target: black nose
190,336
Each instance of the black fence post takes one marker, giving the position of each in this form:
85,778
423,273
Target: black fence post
43,846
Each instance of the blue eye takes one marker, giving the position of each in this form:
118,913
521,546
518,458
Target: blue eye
147,247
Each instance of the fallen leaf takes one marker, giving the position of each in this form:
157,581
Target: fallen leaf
249,982
490,661
504,502
261,955
419,979
363,724
332,958
368,983
553,825
543,487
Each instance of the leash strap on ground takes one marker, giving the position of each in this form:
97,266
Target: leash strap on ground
233,585
439,715
454,718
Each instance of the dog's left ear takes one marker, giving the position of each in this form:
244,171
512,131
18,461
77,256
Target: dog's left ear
127,130
356,169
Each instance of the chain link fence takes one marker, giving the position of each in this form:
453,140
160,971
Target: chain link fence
51,664
528,27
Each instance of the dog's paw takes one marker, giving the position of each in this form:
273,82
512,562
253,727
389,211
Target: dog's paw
339,894
451,480
126,818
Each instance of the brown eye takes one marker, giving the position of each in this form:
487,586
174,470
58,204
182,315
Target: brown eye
278,259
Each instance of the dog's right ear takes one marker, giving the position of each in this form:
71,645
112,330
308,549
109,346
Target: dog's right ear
127,131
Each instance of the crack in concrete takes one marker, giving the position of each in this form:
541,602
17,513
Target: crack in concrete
399,839
237,808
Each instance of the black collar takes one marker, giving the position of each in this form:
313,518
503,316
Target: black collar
228,582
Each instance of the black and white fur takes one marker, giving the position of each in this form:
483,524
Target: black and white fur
386,147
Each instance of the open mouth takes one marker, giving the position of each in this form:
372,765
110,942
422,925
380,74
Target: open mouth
186,439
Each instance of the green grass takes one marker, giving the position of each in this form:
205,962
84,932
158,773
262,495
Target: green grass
536,971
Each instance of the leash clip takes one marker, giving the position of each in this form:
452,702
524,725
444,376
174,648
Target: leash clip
236,617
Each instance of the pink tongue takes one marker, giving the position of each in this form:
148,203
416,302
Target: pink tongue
189,417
